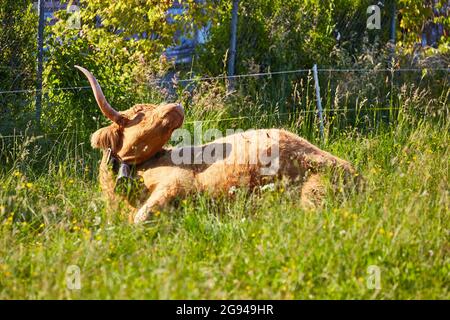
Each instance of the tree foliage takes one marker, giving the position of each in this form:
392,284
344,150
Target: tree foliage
416,14
17,44
281,35
17,59
123,43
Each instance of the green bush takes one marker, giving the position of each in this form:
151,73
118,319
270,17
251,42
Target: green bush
18,23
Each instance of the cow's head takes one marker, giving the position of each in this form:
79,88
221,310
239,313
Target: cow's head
137,133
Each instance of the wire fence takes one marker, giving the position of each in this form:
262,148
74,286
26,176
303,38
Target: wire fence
216,120
302,103
240,76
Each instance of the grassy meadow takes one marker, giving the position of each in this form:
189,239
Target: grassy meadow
254,246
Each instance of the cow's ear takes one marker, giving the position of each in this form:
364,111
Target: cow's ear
108,137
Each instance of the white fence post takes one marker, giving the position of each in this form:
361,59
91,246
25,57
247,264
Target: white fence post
319,99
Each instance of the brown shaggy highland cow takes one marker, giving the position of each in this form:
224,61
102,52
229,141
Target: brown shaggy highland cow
137,137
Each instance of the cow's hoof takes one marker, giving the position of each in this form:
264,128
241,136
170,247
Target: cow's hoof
142,215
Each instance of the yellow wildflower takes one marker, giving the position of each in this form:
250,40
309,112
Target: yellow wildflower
9,220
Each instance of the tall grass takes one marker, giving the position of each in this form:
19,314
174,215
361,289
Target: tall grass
252,246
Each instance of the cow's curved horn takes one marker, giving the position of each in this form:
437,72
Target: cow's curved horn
106,108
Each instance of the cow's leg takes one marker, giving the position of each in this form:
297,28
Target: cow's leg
313,191
160,198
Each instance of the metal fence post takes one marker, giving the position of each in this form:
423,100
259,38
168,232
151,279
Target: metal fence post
40,54
319,99
232,56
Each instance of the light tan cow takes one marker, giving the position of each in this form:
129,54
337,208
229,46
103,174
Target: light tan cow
137,137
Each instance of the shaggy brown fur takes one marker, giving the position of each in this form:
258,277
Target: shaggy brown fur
138,135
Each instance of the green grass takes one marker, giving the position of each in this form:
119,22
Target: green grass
261,246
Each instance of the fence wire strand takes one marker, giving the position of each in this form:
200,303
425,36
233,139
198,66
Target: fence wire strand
294,113
240,76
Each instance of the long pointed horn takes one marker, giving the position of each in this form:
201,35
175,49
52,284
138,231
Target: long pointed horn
106,108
